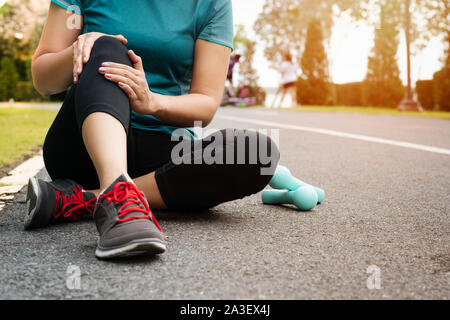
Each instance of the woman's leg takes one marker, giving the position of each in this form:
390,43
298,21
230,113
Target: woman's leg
88,139
102,118
283,95
147,183
64,153
294,95
122,216
67,163
245,163
103,112
147,151
106,142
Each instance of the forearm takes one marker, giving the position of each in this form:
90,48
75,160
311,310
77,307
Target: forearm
183,111
52,72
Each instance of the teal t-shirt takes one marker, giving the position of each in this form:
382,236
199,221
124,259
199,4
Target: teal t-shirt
163,34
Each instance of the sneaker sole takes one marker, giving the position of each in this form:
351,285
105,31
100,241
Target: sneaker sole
133,248
33,202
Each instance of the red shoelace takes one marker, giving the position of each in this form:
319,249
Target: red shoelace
127,194
75,203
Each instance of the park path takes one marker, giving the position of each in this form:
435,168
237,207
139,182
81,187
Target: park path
44,106
386,214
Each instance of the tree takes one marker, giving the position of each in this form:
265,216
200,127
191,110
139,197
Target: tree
20,26
8,78
246,47
314,65
21,23
441,87
438,23
437,16
282,24
383,83
314,60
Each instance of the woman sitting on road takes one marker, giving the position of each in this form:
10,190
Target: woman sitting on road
138,72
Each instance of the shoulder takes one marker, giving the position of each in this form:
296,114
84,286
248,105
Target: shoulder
208,8
215,21
69,4
216,3
222,4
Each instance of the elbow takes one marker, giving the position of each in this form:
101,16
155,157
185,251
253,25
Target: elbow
36,84
207,119
42,91
211,112
206,122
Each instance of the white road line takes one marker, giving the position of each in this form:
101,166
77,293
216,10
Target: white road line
403,144
17,178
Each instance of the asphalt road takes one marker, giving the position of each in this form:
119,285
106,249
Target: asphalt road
386,206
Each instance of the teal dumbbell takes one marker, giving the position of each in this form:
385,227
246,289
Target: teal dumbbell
304,198
283,179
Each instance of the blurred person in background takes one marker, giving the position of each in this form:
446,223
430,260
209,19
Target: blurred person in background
288,70
234,59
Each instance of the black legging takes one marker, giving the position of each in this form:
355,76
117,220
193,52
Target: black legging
186,185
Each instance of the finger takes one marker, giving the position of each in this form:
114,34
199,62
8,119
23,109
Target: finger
87,48
121,38
119,71
116,65
137,61
77,49
117,78
120,66
74,56
127,89
78,58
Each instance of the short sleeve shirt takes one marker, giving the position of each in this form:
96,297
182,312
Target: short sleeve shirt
163,34
288,72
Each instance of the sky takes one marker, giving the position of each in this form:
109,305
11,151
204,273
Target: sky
347,62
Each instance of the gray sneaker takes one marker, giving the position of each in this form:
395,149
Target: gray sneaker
56,201
125,223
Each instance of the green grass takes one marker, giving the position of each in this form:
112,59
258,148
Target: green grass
369,110
21,130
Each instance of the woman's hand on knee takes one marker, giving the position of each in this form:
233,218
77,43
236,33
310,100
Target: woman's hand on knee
133,82
82,50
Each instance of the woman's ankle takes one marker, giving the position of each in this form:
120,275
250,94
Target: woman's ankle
107,180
